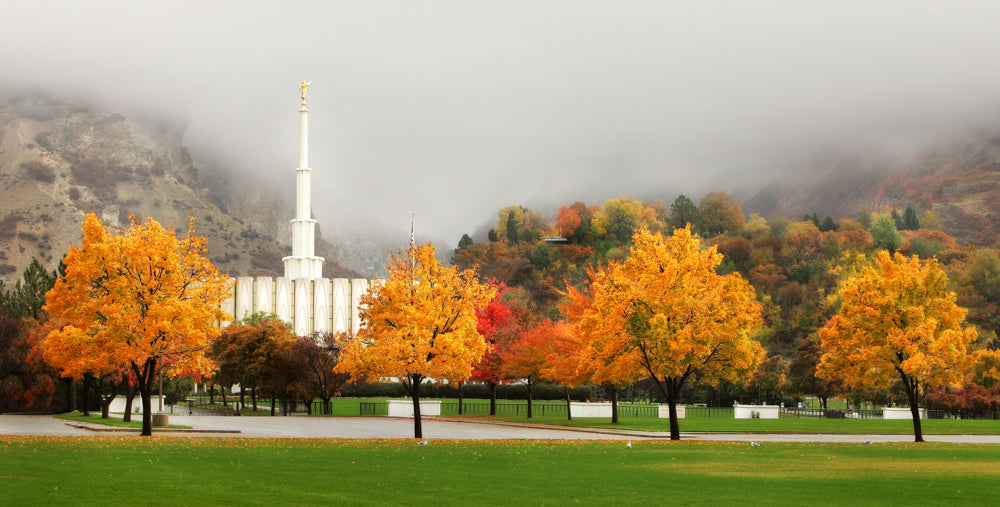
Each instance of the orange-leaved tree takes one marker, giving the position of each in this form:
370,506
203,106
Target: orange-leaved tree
525,359
667,310
134,300
614,372
897,320
419,323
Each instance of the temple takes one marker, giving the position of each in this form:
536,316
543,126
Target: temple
303,298
303,263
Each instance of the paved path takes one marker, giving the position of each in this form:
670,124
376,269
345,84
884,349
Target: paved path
433,428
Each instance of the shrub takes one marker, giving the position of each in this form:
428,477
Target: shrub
39,170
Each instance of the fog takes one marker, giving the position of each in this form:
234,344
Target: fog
452,109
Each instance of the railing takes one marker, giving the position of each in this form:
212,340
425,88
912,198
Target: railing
202,408
697,411
374,408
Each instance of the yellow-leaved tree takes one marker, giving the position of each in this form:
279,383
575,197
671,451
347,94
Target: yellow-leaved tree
897,320
667,310
137,299
419,323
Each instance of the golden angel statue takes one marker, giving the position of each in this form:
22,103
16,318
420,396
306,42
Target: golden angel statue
304,85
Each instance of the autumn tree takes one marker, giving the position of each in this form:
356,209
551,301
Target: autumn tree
499,324
563,360
675,317
419,323
897,320
719,213
524,360
247,353
310,362
593,363
133,300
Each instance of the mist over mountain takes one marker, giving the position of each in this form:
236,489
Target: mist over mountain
60,160
452,109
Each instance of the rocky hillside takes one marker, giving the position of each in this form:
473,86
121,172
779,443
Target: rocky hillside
959,181
59,161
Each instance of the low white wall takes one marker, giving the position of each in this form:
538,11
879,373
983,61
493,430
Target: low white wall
118,405
762,411
579,409
404,408
901,413
663,411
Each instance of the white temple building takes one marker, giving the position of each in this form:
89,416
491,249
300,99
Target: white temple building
303,298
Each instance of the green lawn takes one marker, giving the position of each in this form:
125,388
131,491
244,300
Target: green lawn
350,407
235,471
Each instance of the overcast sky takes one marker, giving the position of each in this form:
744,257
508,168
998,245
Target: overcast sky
453,109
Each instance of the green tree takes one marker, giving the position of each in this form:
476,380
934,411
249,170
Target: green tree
719,214
27,297
683,212
885,234
910,220
984,273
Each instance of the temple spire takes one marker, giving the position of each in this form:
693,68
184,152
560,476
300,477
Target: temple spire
303,263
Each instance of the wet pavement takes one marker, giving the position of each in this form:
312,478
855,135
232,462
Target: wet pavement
433,428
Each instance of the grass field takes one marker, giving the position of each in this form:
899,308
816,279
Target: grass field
222,471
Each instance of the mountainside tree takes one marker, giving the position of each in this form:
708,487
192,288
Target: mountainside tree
419,323
897,320
133,300
674,316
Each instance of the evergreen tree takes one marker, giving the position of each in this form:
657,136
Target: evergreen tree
828,225
682,212
27,296
512,235
898,219
910,220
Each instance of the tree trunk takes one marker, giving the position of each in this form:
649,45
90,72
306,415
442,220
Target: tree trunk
460,398
530,387
415,394
145,377
272,406
569,406
253,398
614,404
128,403
211,394
671,388
912,387
86,394
327,408
70,394
493,398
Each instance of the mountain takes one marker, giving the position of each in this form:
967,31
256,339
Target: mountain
59,161
959,181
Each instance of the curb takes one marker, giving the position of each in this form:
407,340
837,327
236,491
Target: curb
115,429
